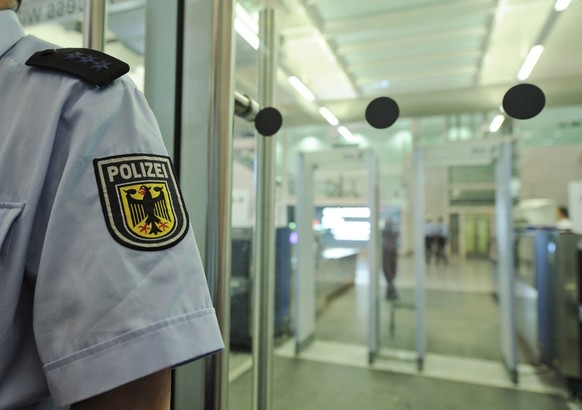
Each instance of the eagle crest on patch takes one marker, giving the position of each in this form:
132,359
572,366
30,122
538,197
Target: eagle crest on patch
142,204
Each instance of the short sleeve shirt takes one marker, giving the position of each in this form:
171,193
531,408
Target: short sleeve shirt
101,281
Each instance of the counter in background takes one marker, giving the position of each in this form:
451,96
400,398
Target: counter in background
335,273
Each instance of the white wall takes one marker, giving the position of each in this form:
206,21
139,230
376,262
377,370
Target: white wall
546,170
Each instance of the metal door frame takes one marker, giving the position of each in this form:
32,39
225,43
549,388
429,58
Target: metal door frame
305,297
189,85
481,152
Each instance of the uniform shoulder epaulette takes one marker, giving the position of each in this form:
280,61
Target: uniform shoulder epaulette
91,65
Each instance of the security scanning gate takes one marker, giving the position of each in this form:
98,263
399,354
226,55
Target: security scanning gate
498,152
305,287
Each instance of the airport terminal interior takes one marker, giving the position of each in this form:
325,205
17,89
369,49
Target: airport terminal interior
453,193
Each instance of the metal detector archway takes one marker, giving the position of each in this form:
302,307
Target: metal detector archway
522,101
305,291
484,152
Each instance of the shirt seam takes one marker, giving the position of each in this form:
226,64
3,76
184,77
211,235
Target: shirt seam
124,338
15,61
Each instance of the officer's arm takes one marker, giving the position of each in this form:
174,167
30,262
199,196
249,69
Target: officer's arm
149,393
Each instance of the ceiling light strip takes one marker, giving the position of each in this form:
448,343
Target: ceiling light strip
561,5
301,88
347,134
244,15
246,26
329,117
246,33
496,123
530,62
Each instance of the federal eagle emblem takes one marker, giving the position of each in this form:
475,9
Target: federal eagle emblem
141,202
148,215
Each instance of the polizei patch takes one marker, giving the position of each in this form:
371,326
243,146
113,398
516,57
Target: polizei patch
141,201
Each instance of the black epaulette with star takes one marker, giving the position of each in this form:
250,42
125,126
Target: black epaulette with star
91,65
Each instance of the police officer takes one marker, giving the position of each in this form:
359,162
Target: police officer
101,285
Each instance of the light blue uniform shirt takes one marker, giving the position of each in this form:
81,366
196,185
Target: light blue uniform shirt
80,312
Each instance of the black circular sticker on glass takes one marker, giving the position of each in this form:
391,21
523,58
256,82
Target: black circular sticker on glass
524,101
382,112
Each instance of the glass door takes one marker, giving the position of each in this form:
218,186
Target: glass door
477,235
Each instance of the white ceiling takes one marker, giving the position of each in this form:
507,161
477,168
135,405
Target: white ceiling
433,57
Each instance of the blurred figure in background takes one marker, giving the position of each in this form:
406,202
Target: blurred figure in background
441,238
429,239
564,223
390,257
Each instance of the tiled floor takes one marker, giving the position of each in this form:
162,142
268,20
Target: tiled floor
462,367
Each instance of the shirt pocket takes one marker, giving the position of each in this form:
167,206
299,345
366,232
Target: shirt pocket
9,211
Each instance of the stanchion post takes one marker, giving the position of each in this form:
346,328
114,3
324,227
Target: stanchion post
218,226
374,250
264,234
505,274
419,254
94,24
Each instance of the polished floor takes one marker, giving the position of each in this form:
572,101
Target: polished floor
462,368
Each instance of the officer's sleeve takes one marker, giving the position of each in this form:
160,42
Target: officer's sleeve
120,291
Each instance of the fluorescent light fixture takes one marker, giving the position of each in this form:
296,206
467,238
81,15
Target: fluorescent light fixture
301,88
496,123
346,212
246,33
530,62
561,5
347,134
329,117
246,26
246,18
